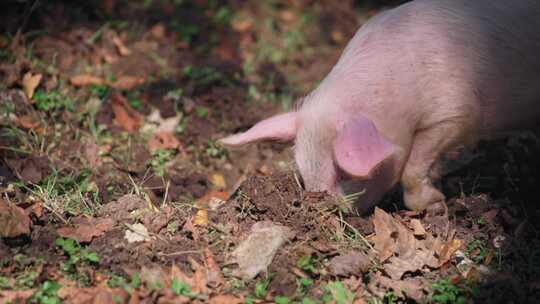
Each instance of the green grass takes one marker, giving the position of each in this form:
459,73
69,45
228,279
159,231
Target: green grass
46,294
51,101
77,255
445,292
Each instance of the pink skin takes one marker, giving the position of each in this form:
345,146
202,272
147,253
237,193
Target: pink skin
413,83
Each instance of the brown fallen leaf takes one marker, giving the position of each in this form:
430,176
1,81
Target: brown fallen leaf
15,296
352,263
225,299
418,228
31,169
85,229
27,122
15,222
200,281
95,295
120,46
30,83
390,235
127,82
242,24
91,154
152,275
179,275
201,218
158,31
212,200
86,80
447,250
255,253
214,276
163,140
398,249
409,288
124,115
218,180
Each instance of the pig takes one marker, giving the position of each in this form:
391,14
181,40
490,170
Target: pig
415,82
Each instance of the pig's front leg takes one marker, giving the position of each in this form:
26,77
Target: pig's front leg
422,164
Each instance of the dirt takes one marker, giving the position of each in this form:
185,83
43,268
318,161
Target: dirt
75,153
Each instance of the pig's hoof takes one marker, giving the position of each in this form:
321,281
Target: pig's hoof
423,197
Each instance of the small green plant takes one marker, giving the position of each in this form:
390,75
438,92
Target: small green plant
134,100
46,294
77,255
6,108
26,280
281,300
445,292
215,150
187,32
53,100
100,91
223,16
336,292
205,77
476,251
261,288
202,112
303,284
159,160
183,289
5,283
308,264
116,281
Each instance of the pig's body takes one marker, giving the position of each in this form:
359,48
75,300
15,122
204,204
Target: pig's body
413,83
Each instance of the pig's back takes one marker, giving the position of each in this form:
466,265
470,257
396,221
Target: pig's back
446,58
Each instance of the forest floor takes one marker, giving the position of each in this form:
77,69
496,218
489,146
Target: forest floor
113,188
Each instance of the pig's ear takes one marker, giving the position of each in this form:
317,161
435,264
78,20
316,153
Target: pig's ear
359,148
280,127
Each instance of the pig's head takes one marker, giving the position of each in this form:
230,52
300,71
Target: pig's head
331,150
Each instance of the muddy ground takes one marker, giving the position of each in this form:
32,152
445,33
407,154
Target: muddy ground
113,188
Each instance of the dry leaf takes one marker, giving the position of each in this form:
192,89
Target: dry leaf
28,122
15,222
91,154
86,229
408,288
352,263
199,277
255,253
398,247
122,49
448,250
213,272
86,80
30,83
163,140
153,275
242,24
418,228
158,31
127,82
201,218
212,200
31,169
225,299
124,115
137,233
15,296
218,181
